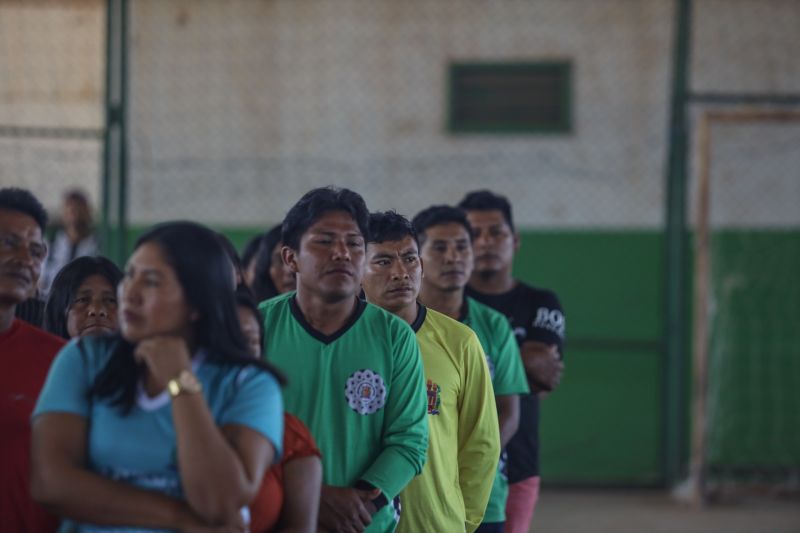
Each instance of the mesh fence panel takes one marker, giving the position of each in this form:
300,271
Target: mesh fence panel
238,108
750,48
754,356
51,95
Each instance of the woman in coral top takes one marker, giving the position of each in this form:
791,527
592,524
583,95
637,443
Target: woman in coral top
288,499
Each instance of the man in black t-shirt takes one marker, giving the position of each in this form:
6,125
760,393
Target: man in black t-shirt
538,322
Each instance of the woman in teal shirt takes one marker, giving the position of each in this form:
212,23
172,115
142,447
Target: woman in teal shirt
171,424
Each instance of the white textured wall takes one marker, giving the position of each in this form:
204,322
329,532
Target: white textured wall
749,47
240,106
51,76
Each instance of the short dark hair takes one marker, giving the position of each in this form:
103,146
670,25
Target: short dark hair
439,214
250,250
390,226
486,200
316,203
263,286
16,199
66,284
77,195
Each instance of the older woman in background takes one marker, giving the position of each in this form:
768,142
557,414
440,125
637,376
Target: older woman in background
83,299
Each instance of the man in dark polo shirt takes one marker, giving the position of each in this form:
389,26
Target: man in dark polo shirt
538,322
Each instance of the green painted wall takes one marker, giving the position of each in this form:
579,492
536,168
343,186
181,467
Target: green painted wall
603,424
754,393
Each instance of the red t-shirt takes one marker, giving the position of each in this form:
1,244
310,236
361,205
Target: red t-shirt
25,356
266,507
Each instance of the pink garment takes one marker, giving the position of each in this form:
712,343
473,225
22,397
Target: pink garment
521,502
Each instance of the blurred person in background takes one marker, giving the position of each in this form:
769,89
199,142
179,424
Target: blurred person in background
354,371
249,255
288,499
233,255
271,275
25,356
464,445
75,239
538,321
83,299
445,236
172,423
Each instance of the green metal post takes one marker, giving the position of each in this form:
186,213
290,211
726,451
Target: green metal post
105,186
115,146
676,241
122,191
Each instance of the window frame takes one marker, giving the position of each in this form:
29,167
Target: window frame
562,126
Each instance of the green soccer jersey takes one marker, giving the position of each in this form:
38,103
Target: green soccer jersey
508,377
361,392
452,492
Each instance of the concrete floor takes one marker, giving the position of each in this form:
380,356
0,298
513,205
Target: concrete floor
651,511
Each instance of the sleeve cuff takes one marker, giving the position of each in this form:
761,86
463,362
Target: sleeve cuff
381,501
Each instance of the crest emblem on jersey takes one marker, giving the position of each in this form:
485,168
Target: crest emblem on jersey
434,398
365,391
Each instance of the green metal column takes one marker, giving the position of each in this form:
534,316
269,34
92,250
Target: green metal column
676,257
114,189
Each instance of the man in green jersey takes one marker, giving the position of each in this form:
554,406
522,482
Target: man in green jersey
446,250
354,372
453,490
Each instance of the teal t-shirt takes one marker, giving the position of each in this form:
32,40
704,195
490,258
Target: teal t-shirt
360,391
141,448
508,377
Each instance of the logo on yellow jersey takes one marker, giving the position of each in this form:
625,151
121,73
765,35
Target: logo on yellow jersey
434,398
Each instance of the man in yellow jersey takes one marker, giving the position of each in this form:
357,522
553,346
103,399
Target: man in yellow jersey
452,492
445,238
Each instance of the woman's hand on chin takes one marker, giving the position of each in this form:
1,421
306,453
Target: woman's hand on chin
165,356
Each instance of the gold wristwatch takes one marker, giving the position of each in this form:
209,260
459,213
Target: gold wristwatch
186,382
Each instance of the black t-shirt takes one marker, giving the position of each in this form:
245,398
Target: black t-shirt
535,315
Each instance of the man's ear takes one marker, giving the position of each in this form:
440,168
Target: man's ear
517,242
421,268
289,257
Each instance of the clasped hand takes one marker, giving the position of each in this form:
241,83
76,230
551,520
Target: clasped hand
345,509
542,364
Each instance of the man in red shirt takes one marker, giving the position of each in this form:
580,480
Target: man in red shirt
25,356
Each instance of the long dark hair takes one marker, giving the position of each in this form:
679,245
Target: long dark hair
244,298
204,272
263,286
66,284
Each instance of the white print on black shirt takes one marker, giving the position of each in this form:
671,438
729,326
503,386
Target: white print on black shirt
550,319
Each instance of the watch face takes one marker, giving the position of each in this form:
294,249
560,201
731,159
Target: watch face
186,382
189,382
